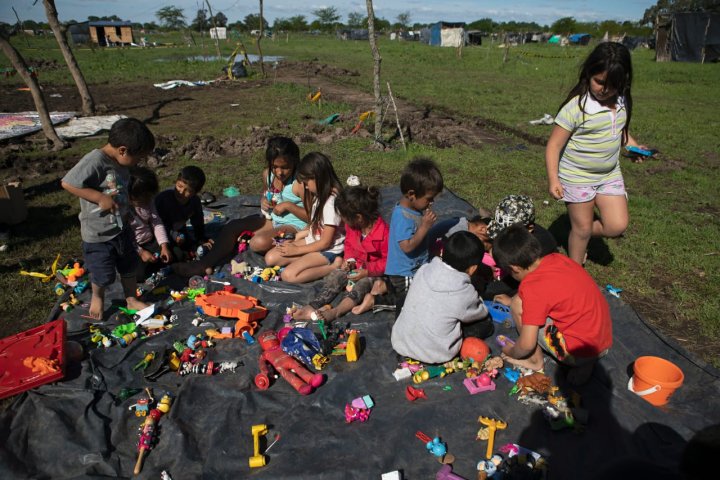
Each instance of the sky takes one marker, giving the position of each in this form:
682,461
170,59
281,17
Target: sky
544,12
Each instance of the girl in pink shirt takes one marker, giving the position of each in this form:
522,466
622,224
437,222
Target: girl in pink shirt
150,236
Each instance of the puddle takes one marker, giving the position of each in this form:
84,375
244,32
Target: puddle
214,58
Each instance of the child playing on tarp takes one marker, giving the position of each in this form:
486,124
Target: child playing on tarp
282,200
441,300
411,220
558,308
100,179
178,205
366,247
150,235
317,250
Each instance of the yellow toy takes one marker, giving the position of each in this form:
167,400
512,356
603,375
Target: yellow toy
257,460
492,426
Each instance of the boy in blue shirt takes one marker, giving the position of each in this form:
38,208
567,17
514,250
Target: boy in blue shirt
100,179
412,219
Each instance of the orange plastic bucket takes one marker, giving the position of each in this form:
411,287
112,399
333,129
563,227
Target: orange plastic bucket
655,379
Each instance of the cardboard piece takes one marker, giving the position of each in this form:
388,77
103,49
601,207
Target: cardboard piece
13,209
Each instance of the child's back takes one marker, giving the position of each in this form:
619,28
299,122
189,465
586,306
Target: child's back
440,299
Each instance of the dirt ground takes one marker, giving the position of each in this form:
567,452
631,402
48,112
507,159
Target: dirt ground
423,125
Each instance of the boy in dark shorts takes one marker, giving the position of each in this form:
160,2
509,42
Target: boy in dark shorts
100,179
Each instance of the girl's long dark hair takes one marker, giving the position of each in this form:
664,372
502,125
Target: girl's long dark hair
316,166
360,200
613,58
281,147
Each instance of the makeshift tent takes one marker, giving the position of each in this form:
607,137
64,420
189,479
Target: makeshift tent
81,427
446,34
688,37
579,38
353,34
474,37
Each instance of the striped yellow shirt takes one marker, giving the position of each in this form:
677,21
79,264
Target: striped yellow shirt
592,154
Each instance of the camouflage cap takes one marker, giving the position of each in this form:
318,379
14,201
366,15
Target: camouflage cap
511,210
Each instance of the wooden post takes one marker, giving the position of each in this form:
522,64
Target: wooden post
376,71
19,63
217,44
397,117
262,32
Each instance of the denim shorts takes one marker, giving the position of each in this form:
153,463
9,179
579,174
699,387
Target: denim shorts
573,193
330,256
105,258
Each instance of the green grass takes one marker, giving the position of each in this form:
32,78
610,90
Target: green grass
668,262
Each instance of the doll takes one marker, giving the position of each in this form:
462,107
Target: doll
291,370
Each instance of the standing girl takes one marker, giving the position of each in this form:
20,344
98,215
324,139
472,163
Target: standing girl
316,250
281,202
583,153
366,250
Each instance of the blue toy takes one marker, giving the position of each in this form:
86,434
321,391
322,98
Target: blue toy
302,344
640,151
614,291
511,374
500,313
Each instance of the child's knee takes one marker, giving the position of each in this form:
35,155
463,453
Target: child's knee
272,257
261,243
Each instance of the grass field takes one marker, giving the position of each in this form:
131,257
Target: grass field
668,263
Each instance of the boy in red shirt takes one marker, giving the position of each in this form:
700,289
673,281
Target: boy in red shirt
558,308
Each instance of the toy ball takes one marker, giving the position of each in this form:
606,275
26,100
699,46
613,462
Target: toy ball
475,349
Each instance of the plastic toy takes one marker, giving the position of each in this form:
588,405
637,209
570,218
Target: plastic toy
614,291
142,407
302,344
429,372
257,460
359,409
70,275
291,370
492,426
511,374
436,447
475,349
635,151
148,435
502,340
149,357
500,313
445,473
412,393
488,468
481,383
225,304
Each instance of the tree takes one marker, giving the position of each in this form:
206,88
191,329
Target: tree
298,23
200,22
675,6
171,17
377,60
150,26
484,25
88,104
564,26
221,20
18,62
327,17
356,20
404,19
252,22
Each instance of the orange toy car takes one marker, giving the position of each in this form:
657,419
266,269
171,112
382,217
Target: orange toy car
233,305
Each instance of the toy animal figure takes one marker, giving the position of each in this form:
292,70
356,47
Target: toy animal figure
291,370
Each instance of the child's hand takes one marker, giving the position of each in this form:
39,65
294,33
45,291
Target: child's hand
428,218
555,189
147,257
208,244
281,208
358,274
107,203
165,253
264,204
287,249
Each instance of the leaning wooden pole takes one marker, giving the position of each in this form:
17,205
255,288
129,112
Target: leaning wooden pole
212,17
262,32
19,64
376,71
88,104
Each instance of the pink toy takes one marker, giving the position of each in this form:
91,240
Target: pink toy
446,473
481,383
359,409
291,370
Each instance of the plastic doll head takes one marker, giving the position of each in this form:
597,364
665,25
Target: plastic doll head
268,340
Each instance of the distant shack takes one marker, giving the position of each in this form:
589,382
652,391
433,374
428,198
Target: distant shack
102,33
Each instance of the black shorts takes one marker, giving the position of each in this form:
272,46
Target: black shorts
103,259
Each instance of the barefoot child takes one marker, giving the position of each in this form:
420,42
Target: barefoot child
317,250
366,246
558,308
100,179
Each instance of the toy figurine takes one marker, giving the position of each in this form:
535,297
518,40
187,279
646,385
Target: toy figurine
142,407
291,370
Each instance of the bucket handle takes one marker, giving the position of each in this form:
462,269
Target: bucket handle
642,393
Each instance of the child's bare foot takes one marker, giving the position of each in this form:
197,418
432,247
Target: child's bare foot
135,304
303,313
327,314
378,288
530,363
209,271
97,306
365,306
337,263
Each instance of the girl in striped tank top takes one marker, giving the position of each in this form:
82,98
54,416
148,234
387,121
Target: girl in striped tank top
582,156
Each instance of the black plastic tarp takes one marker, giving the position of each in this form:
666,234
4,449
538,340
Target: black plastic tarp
76,429
695,37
